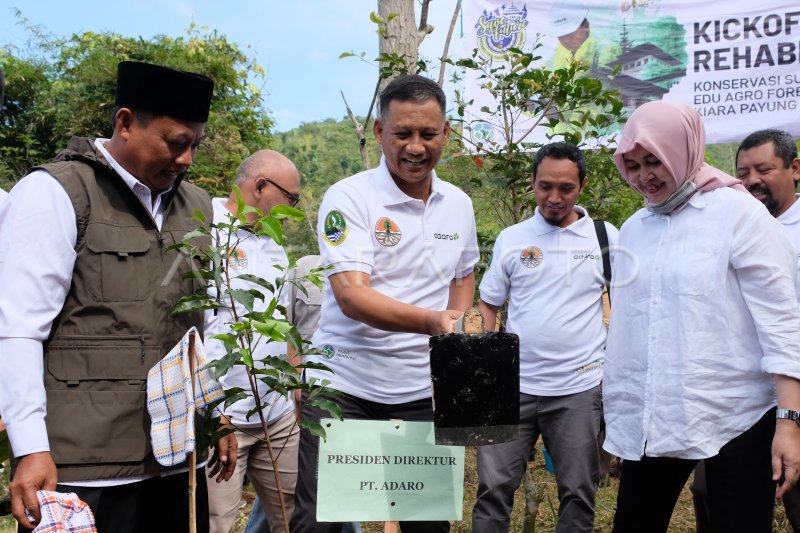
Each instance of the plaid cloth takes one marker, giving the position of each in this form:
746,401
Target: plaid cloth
63,513
170,402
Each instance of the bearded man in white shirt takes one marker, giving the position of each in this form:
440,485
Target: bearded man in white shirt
549,269
91,312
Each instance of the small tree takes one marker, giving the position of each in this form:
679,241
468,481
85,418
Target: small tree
527,94
248,329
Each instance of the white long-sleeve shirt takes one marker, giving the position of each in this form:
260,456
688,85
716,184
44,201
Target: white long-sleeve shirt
703,313
37,254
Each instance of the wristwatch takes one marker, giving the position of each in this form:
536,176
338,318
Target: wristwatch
788,414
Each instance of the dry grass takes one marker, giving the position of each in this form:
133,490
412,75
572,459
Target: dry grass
682,517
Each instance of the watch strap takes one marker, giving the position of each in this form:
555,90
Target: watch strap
788,414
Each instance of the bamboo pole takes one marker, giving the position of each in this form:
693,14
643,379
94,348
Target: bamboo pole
192,456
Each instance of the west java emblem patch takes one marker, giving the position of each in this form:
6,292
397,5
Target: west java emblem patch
328,351
335,230
237,258
531,257
387,232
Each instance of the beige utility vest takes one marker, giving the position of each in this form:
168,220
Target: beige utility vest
115,323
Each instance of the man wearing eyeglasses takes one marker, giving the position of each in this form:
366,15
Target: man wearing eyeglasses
266,179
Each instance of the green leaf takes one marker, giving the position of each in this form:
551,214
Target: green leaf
314,366
274,385
271,227
327,405
247,358
279,364
294,339
315,428
194,234
194,302
346,54
232,399
283,211
375,18
199,273
246,297
257,280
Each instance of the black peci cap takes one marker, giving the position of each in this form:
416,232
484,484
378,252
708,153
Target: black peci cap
164,90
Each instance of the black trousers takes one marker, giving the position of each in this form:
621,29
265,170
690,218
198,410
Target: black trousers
304,518
155,505
741,493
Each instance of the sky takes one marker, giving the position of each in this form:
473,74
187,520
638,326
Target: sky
297,42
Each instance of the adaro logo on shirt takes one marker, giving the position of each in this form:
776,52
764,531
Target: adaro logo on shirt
387,232
531,257
336,229
237,258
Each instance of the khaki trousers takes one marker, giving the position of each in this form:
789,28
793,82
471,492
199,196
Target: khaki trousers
224,499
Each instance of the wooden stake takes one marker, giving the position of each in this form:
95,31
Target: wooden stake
192,457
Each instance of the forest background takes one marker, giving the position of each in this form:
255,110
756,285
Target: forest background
58,87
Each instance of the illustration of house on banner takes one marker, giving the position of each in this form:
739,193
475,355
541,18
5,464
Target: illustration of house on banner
646,72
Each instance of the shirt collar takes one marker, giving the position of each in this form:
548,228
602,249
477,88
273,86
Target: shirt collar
791,215
698,200
133,184
388,191
580,227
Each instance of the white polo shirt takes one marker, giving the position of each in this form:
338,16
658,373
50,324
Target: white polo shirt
411,250
703,311
552,278
258,256
790,219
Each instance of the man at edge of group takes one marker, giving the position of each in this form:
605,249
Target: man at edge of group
554,257
767,164
401,244
86,304
266,179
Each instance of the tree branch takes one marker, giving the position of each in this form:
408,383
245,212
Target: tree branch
424,28
447,43
423,15
362,141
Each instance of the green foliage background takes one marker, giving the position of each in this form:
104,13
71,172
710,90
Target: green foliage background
60,87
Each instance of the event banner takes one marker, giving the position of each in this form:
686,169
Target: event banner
373,470
736,62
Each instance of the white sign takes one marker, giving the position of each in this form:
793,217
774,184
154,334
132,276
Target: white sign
378,470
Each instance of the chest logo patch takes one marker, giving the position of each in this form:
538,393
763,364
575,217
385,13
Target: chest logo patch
237,259
531,257
387,232
336,230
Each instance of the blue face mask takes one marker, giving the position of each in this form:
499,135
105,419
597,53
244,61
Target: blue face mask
677,200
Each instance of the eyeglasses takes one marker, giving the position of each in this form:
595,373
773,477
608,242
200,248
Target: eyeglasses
293,198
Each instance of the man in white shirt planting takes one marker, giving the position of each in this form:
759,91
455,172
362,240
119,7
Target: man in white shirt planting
402,245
